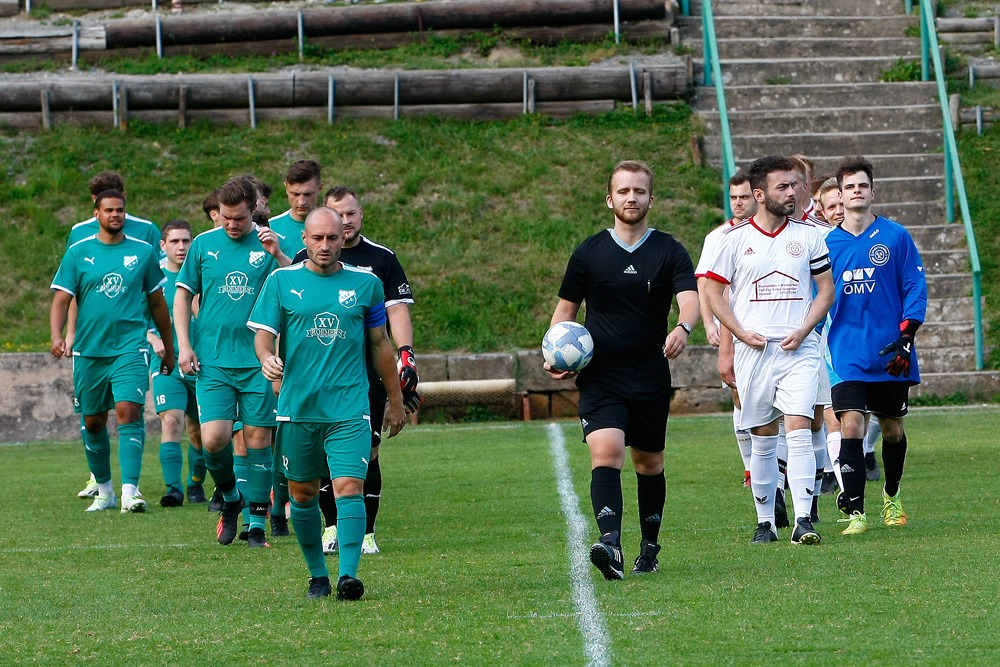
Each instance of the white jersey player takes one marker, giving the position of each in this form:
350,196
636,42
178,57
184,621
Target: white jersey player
770,262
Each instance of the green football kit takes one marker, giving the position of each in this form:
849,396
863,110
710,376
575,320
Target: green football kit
323,411
228,274
290,228
177,391
136,227
112,284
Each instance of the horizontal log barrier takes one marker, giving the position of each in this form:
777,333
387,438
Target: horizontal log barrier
353,88
57,41
385,18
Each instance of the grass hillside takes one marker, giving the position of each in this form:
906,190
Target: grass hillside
483,215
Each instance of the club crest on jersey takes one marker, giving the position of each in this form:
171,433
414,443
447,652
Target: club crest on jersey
326,328
112,285
348,298
879,254
257,258
131,261
795,249
236,286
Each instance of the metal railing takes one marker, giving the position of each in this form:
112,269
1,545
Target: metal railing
713,74
930,53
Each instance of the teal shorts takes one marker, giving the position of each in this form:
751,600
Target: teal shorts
236,393
305,449
100,382
175,392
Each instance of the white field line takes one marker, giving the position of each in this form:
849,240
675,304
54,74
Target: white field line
597,642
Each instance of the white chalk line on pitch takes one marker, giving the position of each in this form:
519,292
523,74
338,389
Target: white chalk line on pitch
596,640
86,547
629,614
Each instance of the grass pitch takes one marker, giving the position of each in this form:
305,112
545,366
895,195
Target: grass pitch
475,565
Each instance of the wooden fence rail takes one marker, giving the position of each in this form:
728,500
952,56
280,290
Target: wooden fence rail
34,103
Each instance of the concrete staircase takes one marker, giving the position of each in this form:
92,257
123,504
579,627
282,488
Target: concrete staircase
804,76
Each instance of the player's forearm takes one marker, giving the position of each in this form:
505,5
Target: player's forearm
565,311
58,314
689,304
161,318
821,304
182,317
400,324
703,307
283,259
69,321
384,360
719,305
264,345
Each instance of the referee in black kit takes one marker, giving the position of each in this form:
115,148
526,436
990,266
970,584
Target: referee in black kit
628,275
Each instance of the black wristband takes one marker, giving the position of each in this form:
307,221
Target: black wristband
909,327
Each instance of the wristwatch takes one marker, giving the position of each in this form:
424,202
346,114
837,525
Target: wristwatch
685,326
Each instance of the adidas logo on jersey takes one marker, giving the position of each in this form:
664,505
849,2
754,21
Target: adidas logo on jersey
749,251
630,271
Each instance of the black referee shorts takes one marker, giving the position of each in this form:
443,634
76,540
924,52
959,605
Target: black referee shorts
634,399
377,401
882,399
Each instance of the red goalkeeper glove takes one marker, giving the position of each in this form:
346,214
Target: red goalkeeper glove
407,367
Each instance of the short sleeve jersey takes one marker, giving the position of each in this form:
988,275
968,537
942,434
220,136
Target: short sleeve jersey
322,321
228,275
291,229
381,261
770,274
111,284
711,246
628,292
137,228
879,279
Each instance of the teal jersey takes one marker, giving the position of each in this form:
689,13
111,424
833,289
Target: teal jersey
169,290
323,322
136,227
228,275
284,225
111,284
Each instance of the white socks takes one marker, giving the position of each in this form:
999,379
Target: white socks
801,470
764,475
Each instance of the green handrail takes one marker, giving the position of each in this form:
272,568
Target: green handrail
953,167
714,72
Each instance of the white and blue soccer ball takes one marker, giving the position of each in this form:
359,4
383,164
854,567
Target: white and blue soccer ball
568,346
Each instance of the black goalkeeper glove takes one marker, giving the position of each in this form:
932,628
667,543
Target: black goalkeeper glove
407,368
901,350
412,401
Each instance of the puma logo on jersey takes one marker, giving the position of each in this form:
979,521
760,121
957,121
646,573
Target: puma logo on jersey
749,251
89,259
630,271
214,254
297,293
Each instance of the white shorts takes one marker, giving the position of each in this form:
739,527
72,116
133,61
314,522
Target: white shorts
774,382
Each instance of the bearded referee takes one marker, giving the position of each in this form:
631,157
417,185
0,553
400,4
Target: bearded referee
628,275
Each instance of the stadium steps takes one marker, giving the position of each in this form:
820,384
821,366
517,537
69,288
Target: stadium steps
804,76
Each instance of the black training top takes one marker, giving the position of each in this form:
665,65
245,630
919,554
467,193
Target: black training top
628,292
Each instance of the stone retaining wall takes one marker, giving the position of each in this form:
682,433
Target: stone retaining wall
36,390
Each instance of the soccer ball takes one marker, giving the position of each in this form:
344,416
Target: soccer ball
568,346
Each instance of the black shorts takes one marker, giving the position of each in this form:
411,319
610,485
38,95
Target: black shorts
634,399
376,404
882,399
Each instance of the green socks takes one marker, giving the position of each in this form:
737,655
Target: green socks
131,438
97,446
259,483
172,464
350,532
196,466
240,471
220,466
308,524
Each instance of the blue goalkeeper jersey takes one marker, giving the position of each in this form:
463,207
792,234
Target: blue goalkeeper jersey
880,282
